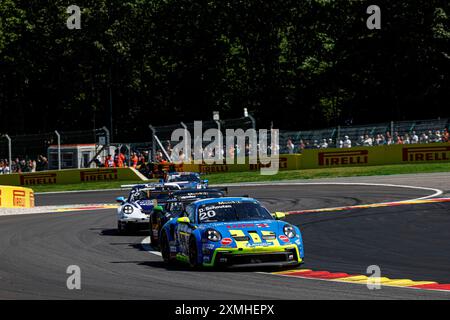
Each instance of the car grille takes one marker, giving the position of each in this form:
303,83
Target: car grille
242,238
224,258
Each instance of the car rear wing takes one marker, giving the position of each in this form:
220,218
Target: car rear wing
143,185
223,189
154,186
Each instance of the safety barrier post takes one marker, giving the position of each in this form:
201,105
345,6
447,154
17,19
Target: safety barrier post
153,142
59,148
248,115
216,118
9,152
187,156
338,136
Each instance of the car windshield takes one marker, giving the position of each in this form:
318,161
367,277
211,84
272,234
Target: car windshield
232,211
138,195
198,195
176,207
185,177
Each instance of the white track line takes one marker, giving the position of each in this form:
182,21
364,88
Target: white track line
436,193
146,245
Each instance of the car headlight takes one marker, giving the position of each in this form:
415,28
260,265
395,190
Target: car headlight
128,209
213,235
289,231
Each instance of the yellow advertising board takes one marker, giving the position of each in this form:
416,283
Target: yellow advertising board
16,197
70,176
379,155
287,162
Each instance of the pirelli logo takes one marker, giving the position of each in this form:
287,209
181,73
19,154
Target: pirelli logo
428,153
37,179
337,158
98,175
32,200
205,168
19,198
282,164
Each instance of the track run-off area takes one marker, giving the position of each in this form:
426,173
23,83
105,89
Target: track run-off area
346,228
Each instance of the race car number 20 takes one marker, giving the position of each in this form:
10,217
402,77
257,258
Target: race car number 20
207,214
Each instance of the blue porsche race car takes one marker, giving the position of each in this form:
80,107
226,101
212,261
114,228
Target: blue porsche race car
174,207
231,231
186,180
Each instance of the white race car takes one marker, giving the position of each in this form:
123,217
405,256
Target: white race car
133,212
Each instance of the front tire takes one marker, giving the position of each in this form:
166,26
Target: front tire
193,253
165,249
121,228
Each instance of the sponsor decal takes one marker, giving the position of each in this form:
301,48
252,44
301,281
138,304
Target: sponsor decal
98,175
428,153
212,168
283,164
37,179
284,238
260,244
19,199
336,158
208,246
31,199
262,225
226,241
242,225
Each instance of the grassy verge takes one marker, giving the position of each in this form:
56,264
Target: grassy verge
231,177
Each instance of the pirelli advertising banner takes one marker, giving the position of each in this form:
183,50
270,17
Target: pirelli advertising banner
368,156
70,176
16,197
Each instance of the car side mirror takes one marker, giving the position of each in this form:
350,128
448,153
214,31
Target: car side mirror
205,181
279,215
120,200
184,220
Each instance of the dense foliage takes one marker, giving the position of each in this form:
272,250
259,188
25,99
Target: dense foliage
299,63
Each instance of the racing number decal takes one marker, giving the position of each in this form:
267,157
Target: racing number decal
204,215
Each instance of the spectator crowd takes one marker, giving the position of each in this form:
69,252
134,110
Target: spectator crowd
23,165
366,140
120,159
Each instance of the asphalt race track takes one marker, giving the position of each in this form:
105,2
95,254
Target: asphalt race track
409,241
